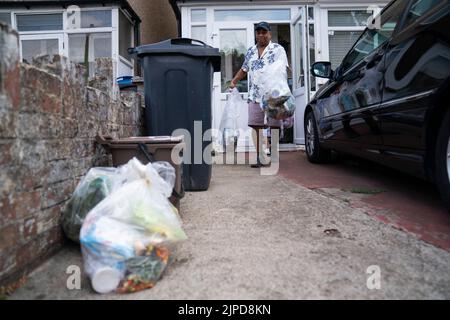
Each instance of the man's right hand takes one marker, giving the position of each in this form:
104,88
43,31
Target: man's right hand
233,84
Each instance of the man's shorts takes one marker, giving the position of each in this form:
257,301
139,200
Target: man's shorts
256,117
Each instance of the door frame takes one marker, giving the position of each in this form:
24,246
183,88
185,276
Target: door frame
300,93
220,97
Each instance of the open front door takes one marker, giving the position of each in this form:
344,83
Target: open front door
300,89
232,39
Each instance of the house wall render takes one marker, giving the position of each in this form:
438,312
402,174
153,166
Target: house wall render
158,20
49,117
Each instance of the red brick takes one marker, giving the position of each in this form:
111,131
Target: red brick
34,178
57,193
29,229
50,84
5,153
7,211
48,219
50,103
12,86
27,253
26,203
9,237
30,76
54,237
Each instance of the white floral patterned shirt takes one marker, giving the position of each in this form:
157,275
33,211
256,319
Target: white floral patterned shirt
255,67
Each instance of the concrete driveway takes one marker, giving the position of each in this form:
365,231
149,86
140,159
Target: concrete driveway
270,237
405,202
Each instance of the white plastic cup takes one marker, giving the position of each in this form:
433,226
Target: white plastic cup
106,279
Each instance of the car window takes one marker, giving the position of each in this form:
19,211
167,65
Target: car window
376,35
420,8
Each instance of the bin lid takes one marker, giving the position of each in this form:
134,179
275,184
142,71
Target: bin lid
185,46
147,139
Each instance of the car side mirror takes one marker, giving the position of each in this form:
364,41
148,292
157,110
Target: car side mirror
322,70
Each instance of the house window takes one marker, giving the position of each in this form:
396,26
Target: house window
39,22
233,46
344,28
198,24
125,36
198,33
96,19
312,47
38,47
81,34
373,38
86,47
340,42
198,15
252,14
353,18
5,17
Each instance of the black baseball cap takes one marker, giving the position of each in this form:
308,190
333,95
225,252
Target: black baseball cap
263,25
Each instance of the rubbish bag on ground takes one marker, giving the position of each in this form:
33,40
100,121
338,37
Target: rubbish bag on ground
277,100
125,238
229,129
93,188
98,183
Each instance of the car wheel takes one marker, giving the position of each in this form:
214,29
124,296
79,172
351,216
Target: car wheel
442,161
314,151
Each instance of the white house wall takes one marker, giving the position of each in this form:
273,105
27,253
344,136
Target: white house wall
321,8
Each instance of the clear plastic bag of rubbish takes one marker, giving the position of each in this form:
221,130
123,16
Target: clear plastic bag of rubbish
165,171
98,183
91,190
132,222
229,129
277,100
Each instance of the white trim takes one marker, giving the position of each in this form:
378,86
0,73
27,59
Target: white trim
346,29
10,15
64,33
125,61
38,11
130,62
185,22
115,34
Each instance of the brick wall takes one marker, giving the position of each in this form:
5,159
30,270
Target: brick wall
49,117
158,20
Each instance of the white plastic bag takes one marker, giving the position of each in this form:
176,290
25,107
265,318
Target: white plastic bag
277,100
92,189
229,129
131,220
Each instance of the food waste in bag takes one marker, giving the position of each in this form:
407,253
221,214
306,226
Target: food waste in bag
125,238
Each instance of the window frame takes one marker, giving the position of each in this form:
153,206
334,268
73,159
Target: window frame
65,31
198,24
77,33
28,37
38,12
130,63
345,29
398,27
10,15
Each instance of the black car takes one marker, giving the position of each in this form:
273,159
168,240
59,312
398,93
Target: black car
389,100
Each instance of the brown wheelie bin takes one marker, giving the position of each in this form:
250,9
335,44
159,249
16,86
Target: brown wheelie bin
148,149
